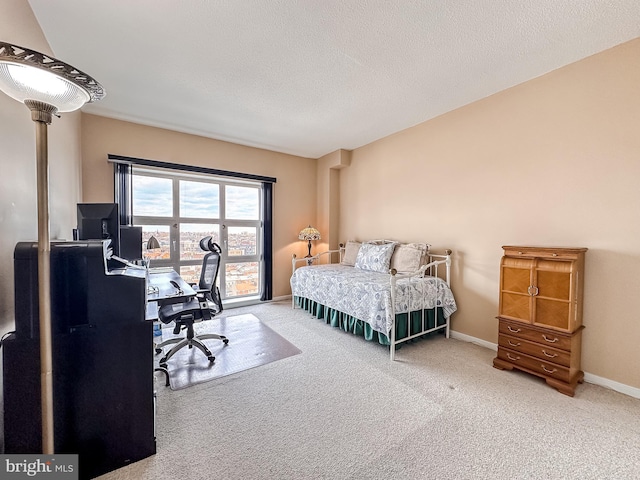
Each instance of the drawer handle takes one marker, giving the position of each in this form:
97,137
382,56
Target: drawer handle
549,354
549,340
514,330
547,370
513,344
511,357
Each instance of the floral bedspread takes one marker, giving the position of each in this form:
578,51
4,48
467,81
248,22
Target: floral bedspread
366,295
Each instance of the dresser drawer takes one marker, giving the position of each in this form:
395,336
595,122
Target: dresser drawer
543,336
543,352
536,365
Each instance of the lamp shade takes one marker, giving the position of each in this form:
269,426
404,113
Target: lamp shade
309,233
26,75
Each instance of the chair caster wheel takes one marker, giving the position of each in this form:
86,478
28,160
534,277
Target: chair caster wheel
158,350
163,369
225,341
211,358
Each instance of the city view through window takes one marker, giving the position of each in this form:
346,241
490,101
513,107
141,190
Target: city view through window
180,223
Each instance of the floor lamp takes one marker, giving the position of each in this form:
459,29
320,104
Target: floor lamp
46,86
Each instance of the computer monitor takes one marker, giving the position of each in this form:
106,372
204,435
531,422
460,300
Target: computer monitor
130,242
99,221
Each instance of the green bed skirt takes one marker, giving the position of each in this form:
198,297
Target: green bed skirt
351,324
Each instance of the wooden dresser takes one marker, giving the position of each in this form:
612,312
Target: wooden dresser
540,314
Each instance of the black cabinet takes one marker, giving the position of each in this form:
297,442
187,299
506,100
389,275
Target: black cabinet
102,361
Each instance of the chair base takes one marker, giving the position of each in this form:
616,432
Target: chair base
188,342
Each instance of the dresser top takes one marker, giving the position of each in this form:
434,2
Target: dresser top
530,248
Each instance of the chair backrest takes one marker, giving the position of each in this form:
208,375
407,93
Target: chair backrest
209,272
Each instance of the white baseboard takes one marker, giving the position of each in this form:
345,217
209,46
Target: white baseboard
474,340
617,386
588,377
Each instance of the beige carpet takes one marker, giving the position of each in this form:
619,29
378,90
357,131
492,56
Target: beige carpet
342,410
251,344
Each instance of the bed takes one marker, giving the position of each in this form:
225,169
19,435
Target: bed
385,291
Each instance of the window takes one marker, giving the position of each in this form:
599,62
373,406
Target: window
180,209
180,204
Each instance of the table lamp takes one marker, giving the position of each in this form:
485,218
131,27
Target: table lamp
47,87
309,234
152,244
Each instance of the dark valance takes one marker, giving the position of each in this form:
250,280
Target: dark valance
187,168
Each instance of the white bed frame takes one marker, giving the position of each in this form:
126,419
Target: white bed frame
430,268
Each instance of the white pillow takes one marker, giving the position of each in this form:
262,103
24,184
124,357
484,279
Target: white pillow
375,258
351,253
424,247
407,258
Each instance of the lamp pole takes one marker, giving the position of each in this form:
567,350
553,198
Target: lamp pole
41,114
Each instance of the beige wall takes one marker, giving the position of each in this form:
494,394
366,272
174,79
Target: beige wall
554,161
294,192
18,213
328,198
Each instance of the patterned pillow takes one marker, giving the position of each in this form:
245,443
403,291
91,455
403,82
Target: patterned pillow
375,258
380,242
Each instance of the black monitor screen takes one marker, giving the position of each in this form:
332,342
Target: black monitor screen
99,221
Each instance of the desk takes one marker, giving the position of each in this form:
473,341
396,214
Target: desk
166,292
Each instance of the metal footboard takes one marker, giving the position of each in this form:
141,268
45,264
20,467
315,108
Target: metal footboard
430,269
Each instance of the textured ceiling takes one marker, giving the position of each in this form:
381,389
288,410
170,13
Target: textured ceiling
309,77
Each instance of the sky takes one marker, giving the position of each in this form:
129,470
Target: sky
153,196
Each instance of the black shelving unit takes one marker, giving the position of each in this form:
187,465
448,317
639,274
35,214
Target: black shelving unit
102,360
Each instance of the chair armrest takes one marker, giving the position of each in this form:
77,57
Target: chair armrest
199,291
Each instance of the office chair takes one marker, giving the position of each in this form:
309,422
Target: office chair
204,306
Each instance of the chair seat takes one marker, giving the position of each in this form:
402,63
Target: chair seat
198,308
170,312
